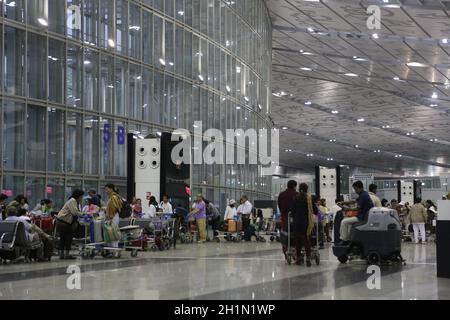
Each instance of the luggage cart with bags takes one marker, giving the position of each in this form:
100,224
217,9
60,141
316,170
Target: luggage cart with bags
287,238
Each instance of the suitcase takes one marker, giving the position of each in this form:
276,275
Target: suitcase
45,223
234,226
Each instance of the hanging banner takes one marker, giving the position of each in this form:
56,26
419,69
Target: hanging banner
120,135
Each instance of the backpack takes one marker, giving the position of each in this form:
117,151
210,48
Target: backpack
126,210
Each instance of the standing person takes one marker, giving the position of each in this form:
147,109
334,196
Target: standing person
418,217
95,197
3,198
137,208
113,207
213,215
230,211
326,221
245,210
364,205
373,195
199,211
152,208
303,210
285,202
165,205
67,223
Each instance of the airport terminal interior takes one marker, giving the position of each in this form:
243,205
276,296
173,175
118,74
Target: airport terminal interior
225,149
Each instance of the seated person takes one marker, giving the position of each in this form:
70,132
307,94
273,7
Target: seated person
364,205
32,232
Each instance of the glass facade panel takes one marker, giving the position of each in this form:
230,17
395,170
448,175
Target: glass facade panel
13,135
35,142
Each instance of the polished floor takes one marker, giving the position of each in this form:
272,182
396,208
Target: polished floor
225,271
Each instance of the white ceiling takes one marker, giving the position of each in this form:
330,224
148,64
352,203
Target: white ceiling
336,35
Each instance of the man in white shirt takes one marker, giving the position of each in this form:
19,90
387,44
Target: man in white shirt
373,195
165,205
245,210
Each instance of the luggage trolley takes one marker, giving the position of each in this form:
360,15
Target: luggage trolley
101,248
234,234
287,238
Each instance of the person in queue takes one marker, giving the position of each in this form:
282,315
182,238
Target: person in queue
364,205
67,223
373,195
285,202
165,205
137,208
113,207
152,208
199,211
418,218
245,211
303,210
326,221
230,211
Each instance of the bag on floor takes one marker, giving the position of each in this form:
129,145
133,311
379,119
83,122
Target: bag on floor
111,232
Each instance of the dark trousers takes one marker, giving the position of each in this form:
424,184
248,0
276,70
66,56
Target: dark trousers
321,234
245,222
301,240
284,228
66,234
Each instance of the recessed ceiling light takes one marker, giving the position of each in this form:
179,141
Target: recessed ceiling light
306,53
395,6
111,43
396,78
445,40
308,103
434,95
285,128
386,127
361,120
416,64
375,36
162,61
351,74
310,29
306,69
180,13
334,112
433,105
360,59
356,146
307,134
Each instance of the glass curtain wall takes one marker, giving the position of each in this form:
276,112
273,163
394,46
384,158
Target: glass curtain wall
78,73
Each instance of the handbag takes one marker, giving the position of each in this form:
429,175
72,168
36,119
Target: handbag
111,232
